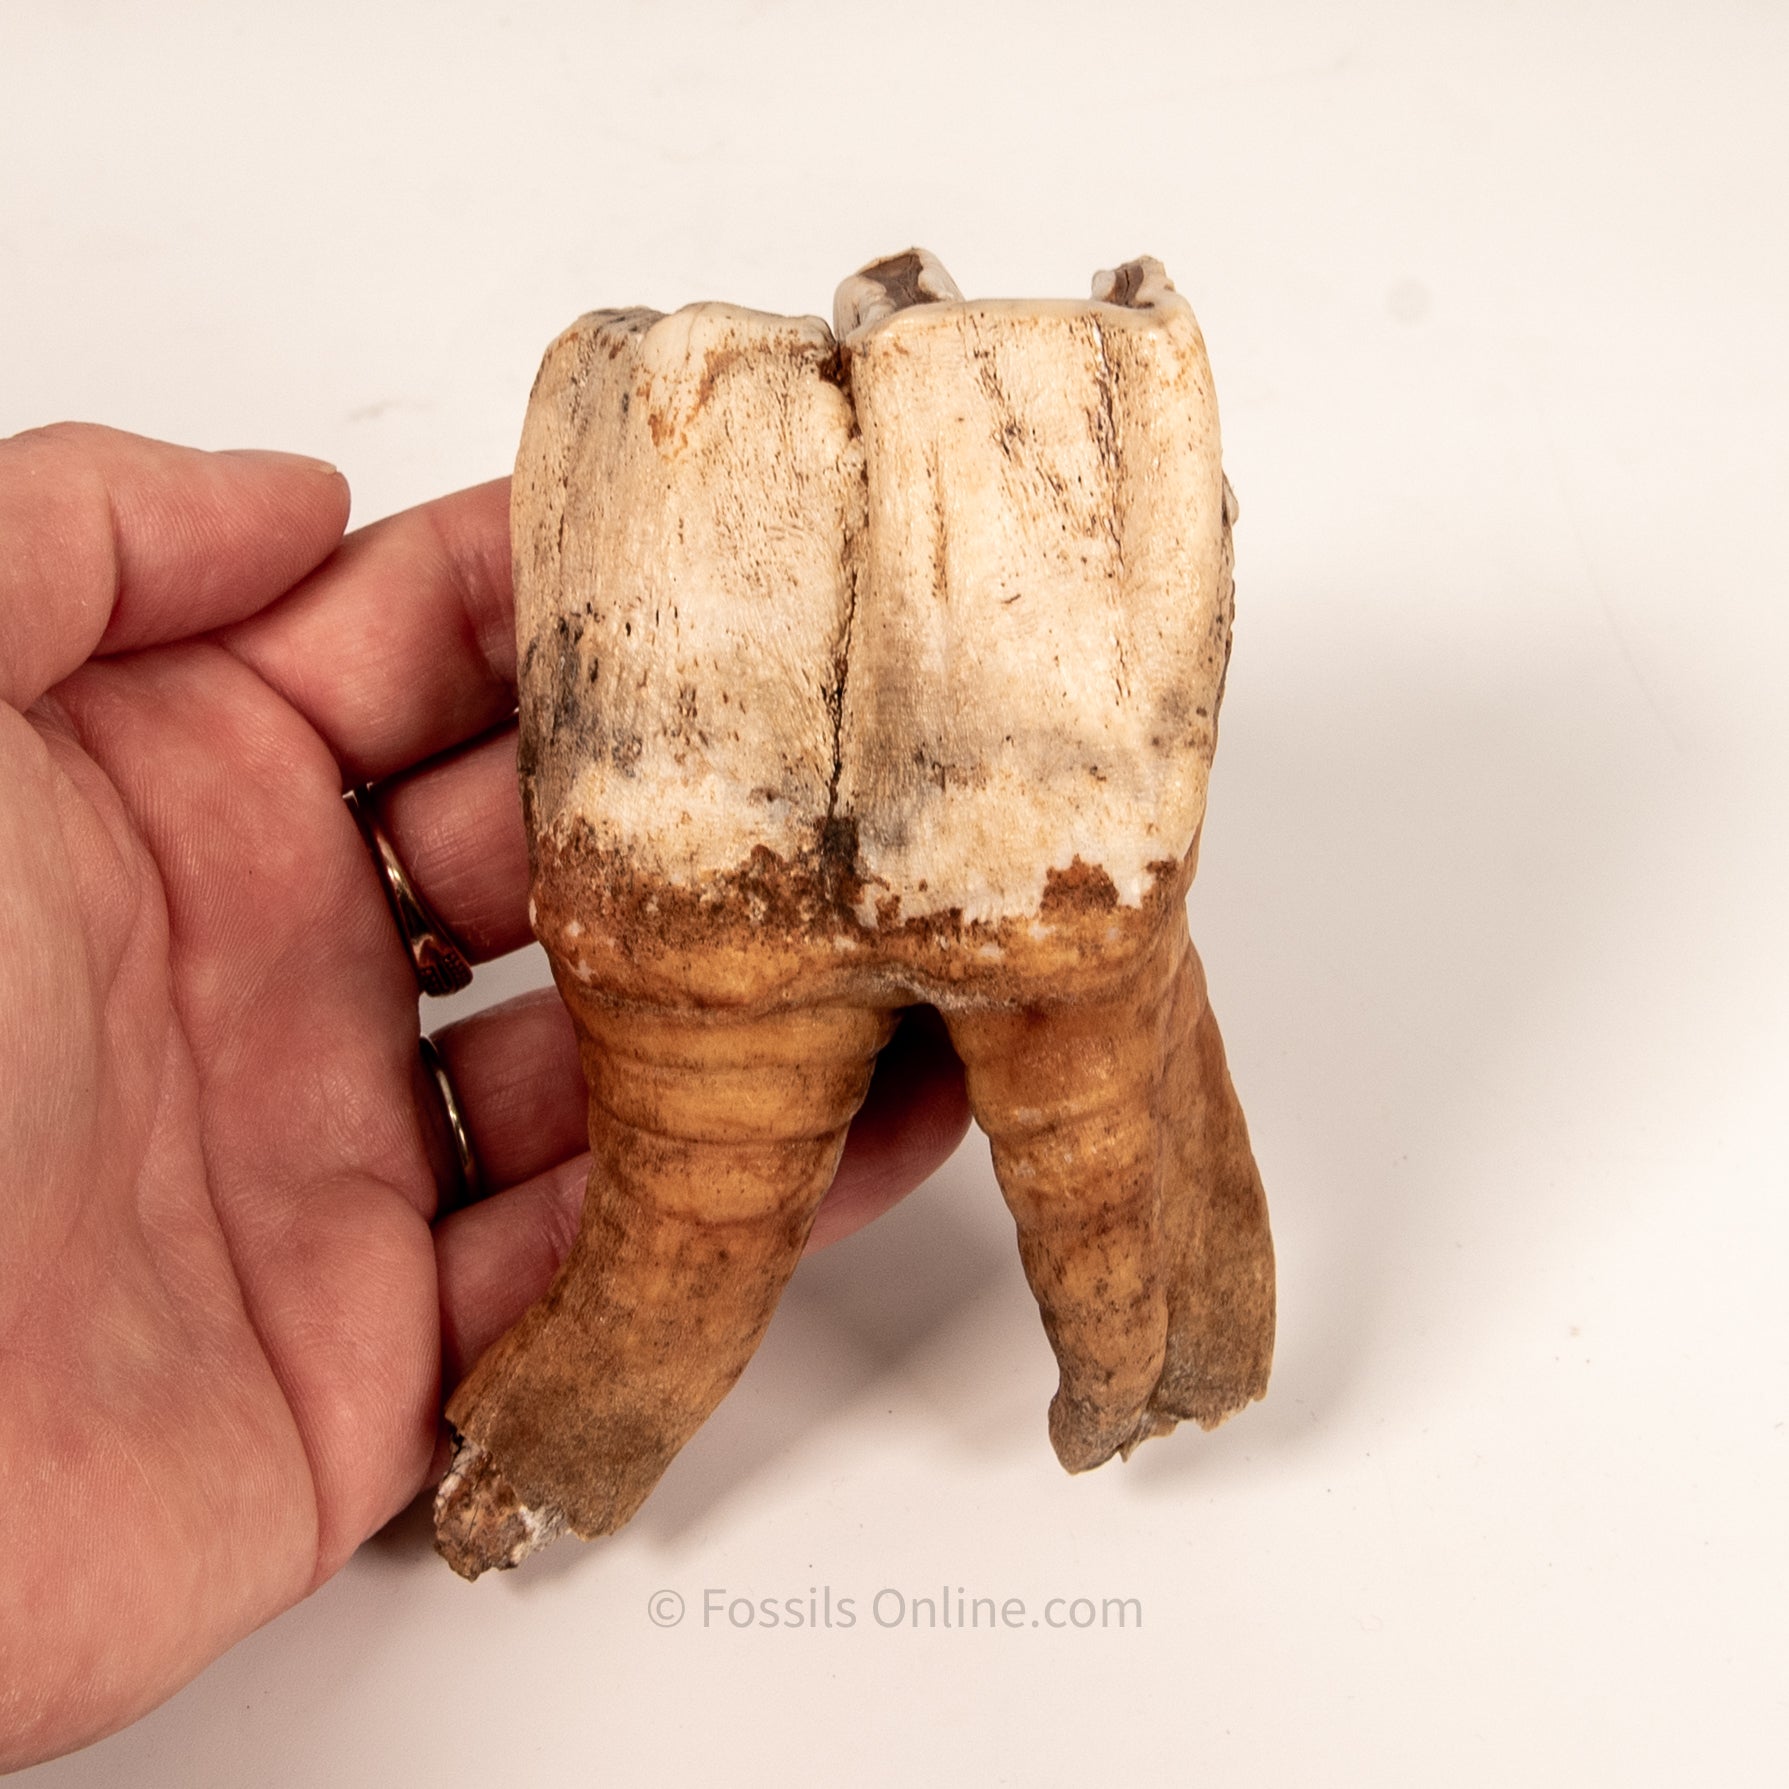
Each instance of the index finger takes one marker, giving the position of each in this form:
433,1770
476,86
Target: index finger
113,541
403,644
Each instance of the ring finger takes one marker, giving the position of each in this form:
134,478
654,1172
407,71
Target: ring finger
518,1084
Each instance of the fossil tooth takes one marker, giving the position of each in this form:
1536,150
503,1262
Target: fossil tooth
860,671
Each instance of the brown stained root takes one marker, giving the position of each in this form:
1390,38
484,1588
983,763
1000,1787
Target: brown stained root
833,703
481,1524
713,1138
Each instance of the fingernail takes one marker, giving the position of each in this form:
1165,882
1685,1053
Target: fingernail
286,462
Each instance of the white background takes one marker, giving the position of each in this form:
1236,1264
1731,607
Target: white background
1493,883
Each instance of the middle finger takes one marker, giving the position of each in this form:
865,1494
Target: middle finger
456,826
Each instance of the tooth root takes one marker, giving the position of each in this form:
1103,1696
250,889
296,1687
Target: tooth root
1125,1161
1217,1248
713,1140
1068,1096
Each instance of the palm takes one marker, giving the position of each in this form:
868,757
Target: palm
226,1307
273,1197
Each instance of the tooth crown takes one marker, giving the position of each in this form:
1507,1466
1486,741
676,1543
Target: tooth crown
1037,653
905,650
684,486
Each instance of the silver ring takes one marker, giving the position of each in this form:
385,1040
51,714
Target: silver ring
441,966
465,1159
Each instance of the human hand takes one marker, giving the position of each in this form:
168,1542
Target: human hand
229,1302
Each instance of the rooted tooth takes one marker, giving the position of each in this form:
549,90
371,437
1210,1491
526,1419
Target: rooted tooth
857,674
